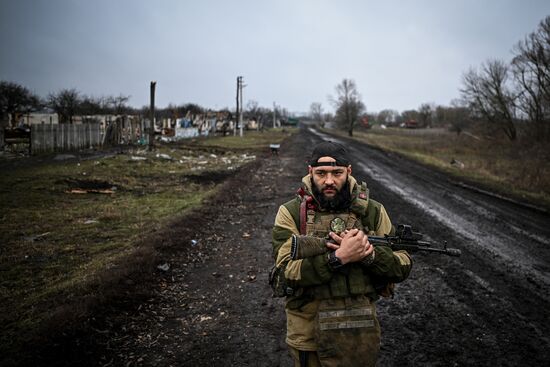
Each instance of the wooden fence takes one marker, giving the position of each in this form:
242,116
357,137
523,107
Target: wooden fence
46,138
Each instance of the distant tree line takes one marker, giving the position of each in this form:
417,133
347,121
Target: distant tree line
456,117
350,111
17,100
513,98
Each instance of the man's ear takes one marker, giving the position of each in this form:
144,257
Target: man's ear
349,170
310,170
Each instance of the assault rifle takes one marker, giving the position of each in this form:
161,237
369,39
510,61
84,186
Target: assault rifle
404,239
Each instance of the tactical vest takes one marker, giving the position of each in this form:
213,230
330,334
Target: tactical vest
364,215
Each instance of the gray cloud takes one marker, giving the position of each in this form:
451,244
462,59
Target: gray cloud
400,53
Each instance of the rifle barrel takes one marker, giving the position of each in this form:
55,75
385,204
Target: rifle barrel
397,243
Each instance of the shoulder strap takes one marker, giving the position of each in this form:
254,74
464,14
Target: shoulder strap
305,204
363,191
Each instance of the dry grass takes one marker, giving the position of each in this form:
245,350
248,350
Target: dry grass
519,169
253,139
63,252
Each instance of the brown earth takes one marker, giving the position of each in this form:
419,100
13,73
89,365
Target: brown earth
209,303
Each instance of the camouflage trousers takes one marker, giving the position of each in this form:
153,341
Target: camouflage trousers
347,333
304,359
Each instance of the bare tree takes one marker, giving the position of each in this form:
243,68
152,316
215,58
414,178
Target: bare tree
253,112
387,116
456,117
118,104
490,96
16,100
531,69
327,116
425,114
66,103
252,109
316,112
348,105
90,105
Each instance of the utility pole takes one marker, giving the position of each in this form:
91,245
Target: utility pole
152,127
274,114
241,112
237,110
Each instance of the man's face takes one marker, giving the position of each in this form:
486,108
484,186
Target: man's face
329,180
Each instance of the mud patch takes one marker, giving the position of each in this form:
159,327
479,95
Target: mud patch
208,177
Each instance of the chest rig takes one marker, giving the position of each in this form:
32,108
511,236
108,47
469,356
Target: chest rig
316,223
353,280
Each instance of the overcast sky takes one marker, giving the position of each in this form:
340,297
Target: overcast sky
292,52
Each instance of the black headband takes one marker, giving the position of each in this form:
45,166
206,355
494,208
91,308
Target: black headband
329,164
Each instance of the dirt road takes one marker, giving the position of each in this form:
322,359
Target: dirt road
212,305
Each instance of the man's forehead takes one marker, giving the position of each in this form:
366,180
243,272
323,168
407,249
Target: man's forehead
328,169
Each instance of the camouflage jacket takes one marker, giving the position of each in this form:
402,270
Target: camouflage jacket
311,279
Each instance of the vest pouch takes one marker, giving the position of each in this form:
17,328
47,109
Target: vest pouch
347,332
356,280
338,285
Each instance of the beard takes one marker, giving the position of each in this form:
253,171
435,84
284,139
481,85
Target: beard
340,201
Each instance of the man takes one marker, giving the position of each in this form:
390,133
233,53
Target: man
328,270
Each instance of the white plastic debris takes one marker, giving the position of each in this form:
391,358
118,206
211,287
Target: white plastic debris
163,267
164,156
137,158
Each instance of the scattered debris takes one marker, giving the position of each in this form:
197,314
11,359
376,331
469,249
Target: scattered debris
164,156
37,237
274,148
138,158
194,243
90,221
90,191
457,164
164,267
90,187
471,135
246,235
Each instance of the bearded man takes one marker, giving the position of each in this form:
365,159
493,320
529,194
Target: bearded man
326,268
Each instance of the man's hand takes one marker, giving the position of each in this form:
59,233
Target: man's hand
351,247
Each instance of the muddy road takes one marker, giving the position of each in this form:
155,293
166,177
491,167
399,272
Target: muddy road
488,307
211,305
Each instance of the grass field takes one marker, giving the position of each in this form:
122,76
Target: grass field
518,169
66,224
